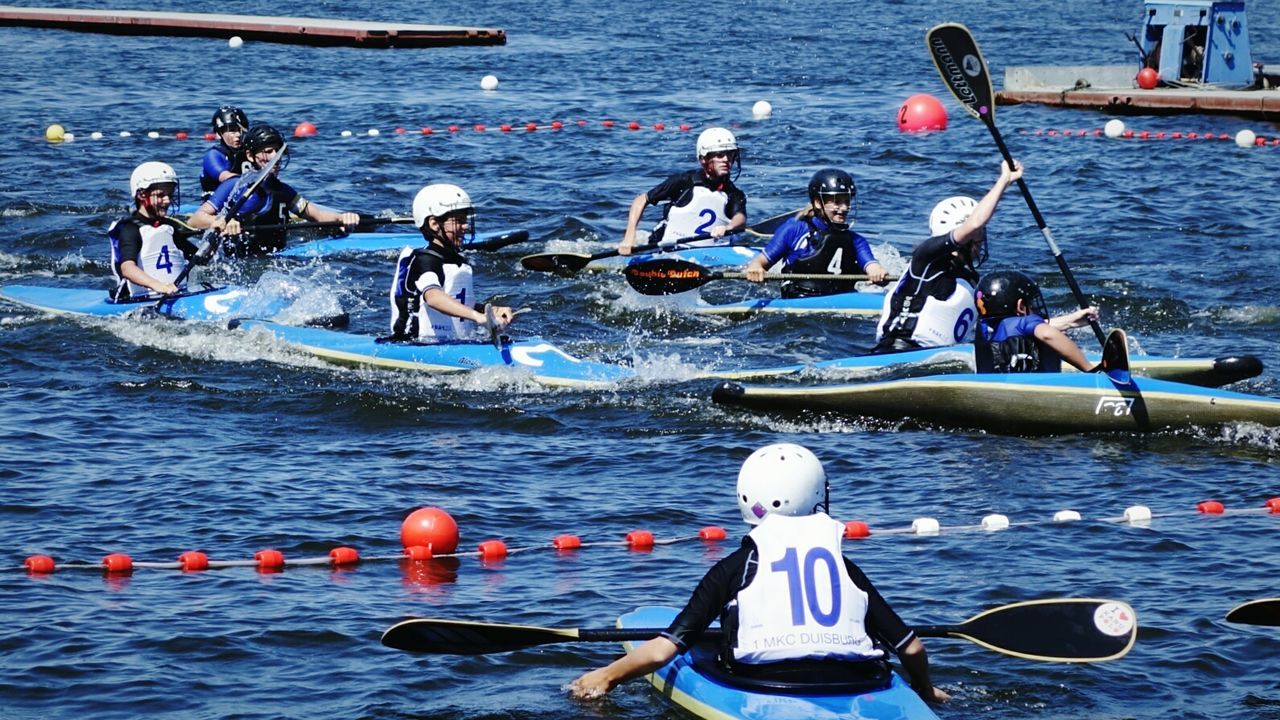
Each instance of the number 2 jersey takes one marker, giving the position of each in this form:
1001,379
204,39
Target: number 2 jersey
153,246
695,204
789,594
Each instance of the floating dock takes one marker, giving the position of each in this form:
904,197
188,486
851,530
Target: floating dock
290,30
1111,89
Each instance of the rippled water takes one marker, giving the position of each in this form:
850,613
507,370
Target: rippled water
155,438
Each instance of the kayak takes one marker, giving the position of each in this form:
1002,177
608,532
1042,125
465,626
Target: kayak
1020,403
553,366
362,242
707,256
695,682
210,303
868,304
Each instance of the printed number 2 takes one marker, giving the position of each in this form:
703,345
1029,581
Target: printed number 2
962,324
163,261
801,585
710,215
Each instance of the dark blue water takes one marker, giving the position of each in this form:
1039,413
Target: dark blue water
155,438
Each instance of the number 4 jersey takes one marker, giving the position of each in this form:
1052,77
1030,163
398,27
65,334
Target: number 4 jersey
150,243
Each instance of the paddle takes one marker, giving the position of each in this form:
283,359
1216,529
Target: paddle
667,276
1057,630
1115,356
1257,612
960,63
566,264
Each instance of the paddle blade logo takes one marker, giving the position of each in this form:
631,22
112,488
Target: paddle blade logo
1114,619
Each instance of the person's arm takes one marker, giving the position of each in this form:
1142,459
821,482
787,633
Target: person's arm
1066,347
218,165
884,623
981,215
867,260
130,271
641,661
208,215
318,213
441,301
736,223
638,205
915,660
1075,318
756,269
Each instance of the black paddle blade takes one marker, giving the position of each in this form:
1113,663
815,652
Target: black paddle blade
1115,356
565,264
459,637
667,276
960,63
1257,612
499,241
1061,630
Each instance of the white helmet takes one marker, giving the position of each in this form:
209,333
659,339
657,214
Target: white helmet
439,200
950,214
714,140
151,173
783,479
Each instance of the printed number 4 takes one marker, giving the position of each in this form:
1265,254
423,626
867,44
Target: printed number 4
710,215
802,585
163,261
836,262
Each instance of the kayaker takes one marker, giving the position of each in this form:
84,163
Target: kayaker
432,296
147,255
932,304
701,202
819,240
775,624
223,161
1015,332
270,204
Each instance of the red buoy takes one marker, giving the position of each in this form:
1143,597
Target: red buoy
493,550
39,564
418,553
1210,507
856,529
430,527
640,539
712,532
920,113
269,560
566,542
193,561
1148,78
181,135
118,563
344,555
304,129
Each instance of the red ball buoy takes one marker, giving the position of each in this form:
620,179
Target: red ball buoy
304,129
1148,78
922,112
430,527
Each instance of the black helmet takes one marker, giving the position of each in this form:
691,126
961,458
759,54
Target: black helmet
229,115
259,138
831,181
999,292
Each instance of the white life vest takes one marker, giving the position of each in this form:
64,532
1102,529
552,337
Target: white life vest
801,604
706,209
435,325
159,257
939,322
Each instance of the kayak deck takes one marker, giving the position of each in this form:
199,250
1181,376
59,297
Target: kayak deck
1019,404
682,683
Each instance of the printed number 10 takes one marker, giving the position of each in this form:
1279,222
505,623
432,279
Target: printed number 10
803,584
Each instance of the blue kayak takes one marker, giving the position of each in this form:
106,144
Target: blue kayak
1019,403
219,303
694,682
363,242
711,256
865,304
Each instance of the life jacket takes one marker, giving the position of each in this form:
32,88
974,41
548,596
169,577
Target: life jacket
833,254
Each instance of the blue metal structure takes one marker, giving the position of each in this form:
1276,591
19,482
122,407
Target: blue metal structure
1197,41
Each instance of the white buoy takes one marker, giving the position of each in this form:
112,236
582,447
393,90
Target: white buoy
761,110
95,135
235,42
995,521
125,133
489,82
1113,128
925,526
1246,138
1066,516
374,132
346,133
153,135
68,137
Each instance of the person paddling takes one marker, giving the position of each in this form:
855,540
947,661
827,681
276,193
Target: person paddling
224,160
432,296
932,304
269,205
775,623
147,255
1015,333
704,201
819,240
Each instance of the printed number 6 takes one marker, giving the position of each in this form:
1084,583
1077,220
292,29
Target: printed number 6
710,215
963,323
